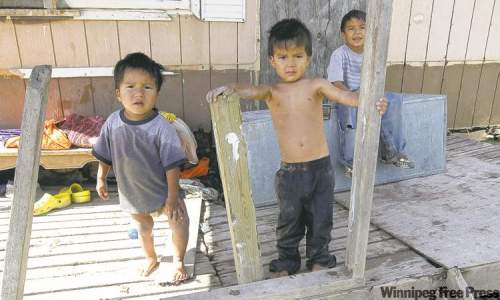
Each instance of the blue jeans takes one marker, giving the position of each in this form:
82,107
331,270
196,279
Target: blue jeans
392,139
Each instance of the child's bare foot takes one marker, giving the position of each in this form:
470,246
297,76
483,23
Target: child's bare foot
150,265
180,274
280,268
313,267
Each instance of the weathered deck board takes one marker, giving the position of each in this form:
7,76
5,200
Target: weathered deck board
83,252
451,218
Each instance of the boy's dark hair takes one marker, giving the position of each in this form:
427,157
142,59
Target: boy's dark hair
289,30
353,14
138,60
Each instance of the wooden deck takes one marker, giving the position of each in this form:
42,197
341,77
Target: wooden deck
83,252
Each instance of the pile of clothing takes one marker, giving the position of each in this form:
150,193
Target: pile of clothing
75,129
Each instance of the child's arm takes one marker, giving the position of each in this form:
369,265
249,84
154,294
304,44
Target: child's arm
244,91
172,210
336,93
340,85
346,97
102,187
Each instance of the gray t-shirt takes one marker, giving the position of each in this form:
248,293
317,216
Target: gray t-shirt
140,152
345,65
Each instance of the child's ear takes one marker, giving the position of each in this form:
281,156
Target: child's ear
117,93
271,61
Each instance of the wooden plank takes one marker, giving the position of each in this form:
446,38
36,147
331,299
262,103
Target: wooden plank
413,77
196,110
460,29
25,185
486,94
51,159
452,79
467,97
367,135
249,77
70,47
456,282
39,13
134,37
162,34
442,12
11,102
194,32
418,33
67,72
479,31
34,33
76,96
399,31
102,43
54,107
394,78
484,277
433,78
439,233
104,96
170,96
493,45
231,155
224,44
248,36
9,53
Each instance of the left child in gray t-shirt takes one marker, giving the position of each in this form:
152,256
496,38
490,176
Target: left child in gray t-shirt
145,152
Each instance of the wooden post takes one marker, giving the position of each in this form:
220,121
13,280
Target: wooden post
233,166
26,177
367,134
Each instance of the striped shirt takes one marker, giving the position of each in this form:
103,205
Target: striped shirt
345,65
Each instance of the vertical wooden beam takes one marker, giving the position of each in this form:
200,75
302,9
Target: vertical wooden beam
26,176
367,134
233,165
456,282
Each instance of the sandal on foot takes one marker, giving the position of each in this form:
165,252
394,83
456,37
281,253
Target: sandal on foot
400,161
48,202
78,194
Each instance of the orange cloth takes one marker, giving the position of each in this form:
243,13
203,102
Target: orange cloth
201,169
53,138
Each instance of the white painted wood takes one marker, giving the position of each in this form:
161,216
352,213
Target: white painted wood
20,12
123,15
367,133
439,30
227,10
399,31
418,33
16,257
70,72
459,33
126,4
493,47
479,29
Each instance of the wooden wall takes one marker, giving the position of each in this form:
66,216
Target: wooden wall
447,47
202,54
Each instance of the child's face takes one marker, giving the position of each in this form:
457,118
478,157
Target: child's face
290,62
354,34
137,93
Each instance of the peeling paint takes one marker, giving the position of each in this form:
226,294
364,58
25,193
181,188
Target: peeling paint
233,139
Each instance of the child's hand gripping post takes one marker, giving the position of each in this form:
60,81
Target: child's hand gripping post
225,91
381,105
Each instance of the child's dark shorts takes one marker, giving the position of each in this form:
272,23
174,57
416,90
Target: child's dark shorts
305,199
